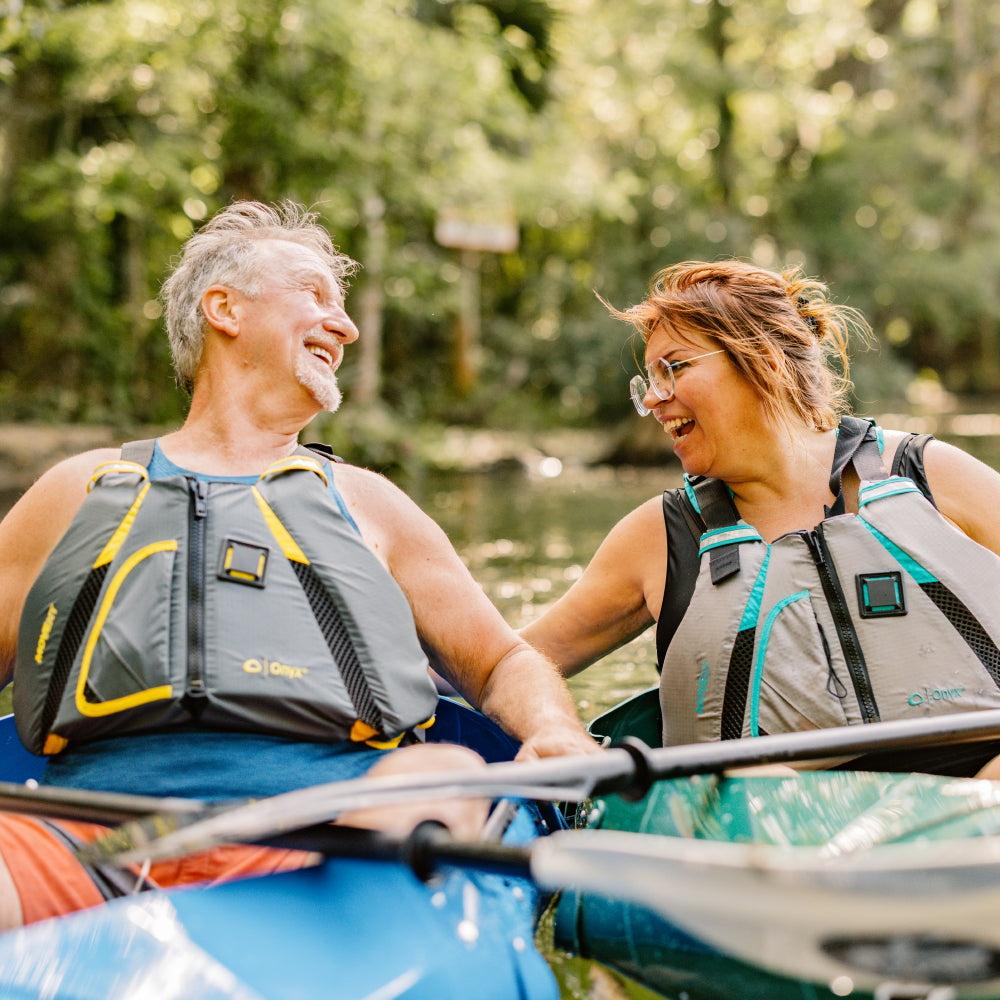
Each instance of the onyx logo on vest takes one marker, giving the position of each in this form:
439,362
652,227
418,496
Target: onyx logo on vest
935,694
273,668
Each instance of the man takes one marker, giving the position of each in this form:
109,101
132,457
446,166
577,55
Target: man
256,319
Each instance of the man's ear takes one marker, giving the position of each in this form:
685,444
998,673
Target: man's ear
220,307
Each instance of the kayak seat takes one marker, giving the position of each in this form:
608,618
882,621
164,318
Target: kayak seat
639,716
16,763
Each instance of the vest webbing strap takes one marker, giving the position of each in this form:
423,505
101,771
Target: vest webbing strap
338,640
851,436
967,625
738,679
73,634
718,511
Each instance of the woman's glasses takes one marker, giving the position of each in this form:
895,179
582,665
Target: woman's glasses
661,380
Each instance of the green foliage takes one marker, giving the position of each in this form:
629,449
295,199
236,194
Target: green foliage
854,138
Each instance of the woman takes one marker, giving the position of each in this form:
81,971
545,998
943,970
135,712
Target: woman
798,612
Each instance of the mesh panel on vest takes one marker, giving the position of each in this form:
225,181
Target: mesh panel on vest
967,625
339,642
73,633
737,685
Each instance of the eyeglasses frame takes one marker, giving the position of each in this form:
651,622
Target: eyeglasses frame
640,385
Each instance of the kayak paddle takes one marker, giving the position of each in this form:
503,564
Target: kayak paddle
628,770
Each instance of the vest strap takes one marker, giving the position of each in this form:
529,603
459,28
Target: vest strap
857,445
718,511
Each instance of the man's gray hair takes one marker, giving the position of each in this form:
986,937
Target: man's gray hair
225,252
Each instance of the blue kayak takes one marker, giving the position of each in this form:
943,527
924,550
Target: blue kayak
363,929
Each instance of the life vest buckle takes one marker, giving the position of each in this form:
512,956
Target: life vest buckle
243,562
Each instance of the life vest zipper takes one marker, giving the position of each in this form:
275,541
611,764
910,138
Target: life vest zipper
846,635
194,697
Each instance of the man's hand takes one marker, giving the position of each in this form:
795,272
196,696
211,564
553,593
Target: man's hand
555,742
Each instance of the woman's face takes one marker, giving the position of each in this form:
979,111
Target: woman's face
715,419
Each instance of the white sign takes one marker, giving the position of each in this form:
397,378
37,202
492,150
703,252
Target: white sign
467,230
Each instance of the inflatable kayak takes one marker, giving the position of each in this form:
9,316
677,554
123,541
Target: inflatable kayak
348,928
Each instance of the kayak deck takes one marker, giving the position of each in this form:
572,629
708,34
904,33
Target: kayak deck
827,884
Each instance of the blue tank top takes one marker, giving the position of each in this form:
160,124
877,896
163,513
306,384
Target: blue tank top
206,764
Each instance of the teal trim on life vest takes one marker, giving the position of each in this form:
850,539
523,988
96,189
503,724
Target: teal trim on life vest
734,535
887,488
758,667
751,612
919,573
689,490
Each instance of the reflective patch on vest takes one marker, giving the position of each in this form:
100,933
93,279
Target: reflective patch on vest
880,595
885,488
243,562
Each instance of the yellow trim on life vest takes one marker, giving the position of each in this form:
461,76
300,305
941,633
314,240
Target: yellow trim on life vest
117,540
361,731
45,632
54,744
287,544
427,723
385,744
116,465
95,709
294,463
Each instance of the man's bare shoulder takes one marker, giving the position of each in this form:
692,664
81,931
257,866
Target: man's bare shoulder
77,469
57,493
359,485
390,520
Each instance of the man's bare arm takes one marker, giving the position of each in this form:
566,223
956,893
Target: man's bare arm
29,533
473,647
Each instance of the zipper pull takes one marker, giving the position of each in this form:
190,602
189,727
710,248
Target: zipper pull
199,493
835,686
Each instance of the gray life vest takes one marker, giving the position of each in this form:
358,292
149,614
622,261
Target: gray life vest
891,613
253,607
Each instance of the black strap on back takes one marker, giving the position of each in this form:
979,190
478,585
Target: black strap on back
684,529
857,444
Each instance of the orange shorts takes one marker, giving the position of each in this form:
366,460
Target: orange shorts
51,882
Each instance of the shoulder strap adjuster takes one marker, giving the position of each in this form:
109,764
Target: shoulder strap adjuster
718,511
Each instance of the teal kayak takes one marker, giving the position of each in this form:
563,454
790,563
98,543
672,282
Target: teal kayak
347,928
822,885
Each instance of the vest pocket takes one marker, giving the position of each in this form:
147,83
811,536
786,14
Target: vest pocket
795,683
124,661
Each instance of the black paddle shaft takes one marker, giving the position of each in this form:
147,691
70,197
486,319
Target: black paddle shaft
648,766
